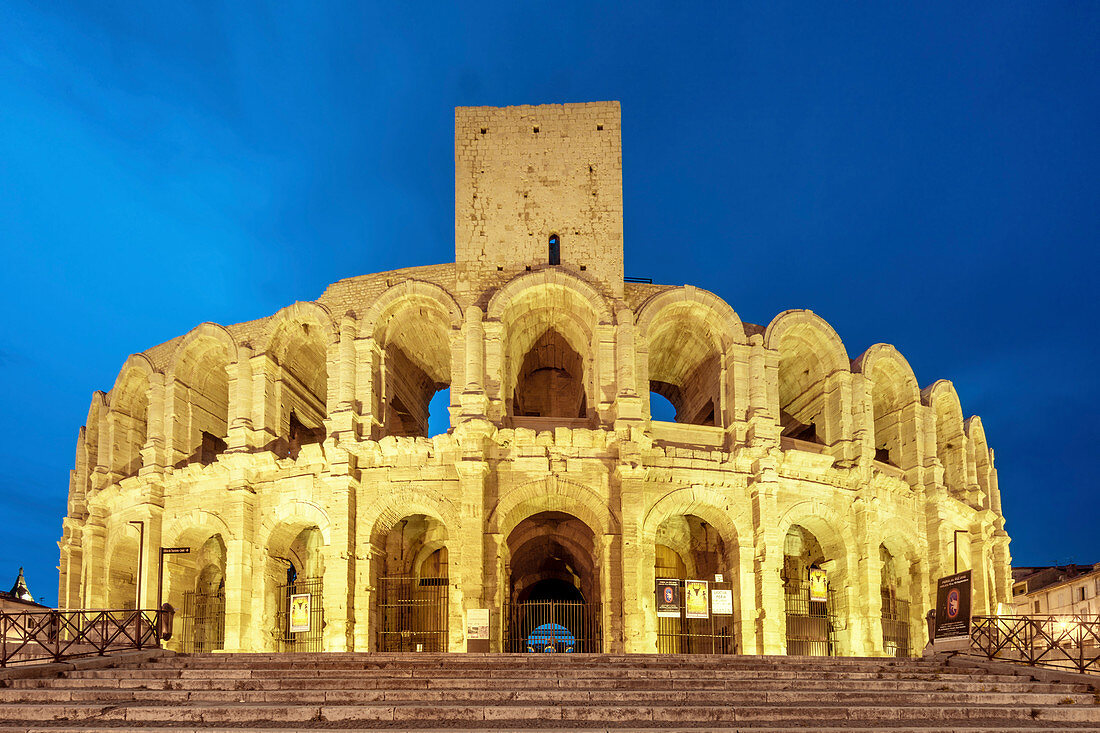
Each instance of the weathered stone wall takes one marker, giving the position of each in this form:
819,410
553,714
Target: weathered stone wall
312,457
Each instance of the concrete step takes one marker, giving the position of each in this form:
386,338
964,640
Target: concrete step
416,714
969,726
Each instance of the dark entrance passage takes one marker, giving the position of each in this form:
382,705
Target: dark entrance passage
553,604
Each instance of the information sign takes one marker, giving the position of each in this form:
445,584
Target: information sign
668,599
953,607
696,599
721,602
301,604
477,623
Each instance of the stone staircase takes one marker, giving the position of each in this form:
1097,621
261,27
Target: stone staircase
541,692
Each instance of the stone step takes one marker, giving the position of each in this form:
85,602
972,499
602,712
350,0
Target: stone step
418,715
1013,685
234,673
549,696
969,726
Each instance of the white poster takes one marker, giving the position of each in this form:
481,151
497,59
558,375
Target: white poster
721,602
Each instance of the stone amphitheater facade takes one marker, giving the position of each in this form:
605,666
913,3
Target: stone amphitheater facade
301,440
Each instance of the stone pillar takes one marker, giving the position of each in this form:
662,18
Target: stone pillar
94,542
339,567
265,403
465,544
368,363
341,387
473,401
865,584
763,394
240,438
154,454
240,569
769,625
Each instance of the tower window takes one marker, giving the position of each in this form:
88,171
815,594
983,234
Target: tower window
555,250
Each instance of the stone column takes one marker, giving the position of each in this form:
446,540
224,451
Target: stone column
240,438
336,589
241,587
94,542
769,624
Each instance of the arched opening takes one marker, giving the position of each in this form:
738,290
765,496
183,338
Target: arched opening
122,570
201,402
809,596
950,438
129,419
412,581
553,581
415,375
294,575
551,380
894,588
696,601
302,387
685,365
894,395
810,359
198,590
555,250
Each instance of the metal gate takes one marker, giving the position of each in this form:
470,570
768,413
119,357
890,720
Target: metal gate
895,625
203,617
310,640
811,625
712,635
552,626
412,614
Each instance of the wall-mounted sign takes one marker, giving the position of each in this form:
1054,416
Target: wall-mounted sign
696,599
819,585
477,623
668,599
300,608
953,607
721,602
719,578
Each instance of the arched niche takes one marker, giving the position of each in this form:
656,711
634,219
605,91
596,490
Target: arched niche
199,380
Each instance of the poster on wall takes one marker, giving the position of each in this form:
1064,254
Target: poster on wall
696,599
668,599
300,608
721,602
819,585
953,607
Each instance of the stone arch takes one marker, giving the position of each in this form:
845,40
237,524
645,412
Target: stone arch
685,335
552,494
703,502
895,395
384,515
122,553
550,324
812,359
201,572
300,339
950,436
979,459
194,525
290,515
198,390
827,525
128,414
414,325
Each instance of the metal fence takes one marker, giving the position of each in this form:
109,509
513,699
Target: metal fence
312,638
552,626
895,625
711,635
412,614
811,625
51,636
203,621
1058,641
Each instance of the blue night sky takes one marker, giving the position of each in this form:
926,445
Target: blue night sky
923,175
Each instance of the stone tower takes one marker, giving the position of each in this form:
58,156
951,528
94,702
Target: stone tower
524,174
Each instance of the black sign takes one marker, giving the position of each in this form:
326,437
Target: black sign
953,606
175,550
668,599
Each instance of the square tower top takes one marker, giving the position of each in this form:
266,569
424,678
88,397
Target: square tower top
524,175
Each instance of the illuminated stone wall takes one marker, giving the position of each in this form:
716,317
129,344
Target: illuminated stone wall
300,439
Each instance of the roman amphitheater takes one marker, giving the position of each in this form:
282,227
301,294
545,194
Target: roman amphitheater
291,458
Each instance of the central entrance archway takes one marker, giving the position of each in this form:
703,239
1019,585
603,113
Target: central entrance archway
553,586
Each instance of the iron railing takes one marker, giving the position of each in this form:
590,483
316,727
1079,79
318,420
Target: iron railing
895,625
552,626
51,636
413,614
811,625
310,640
203,622
1058,641
711,635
